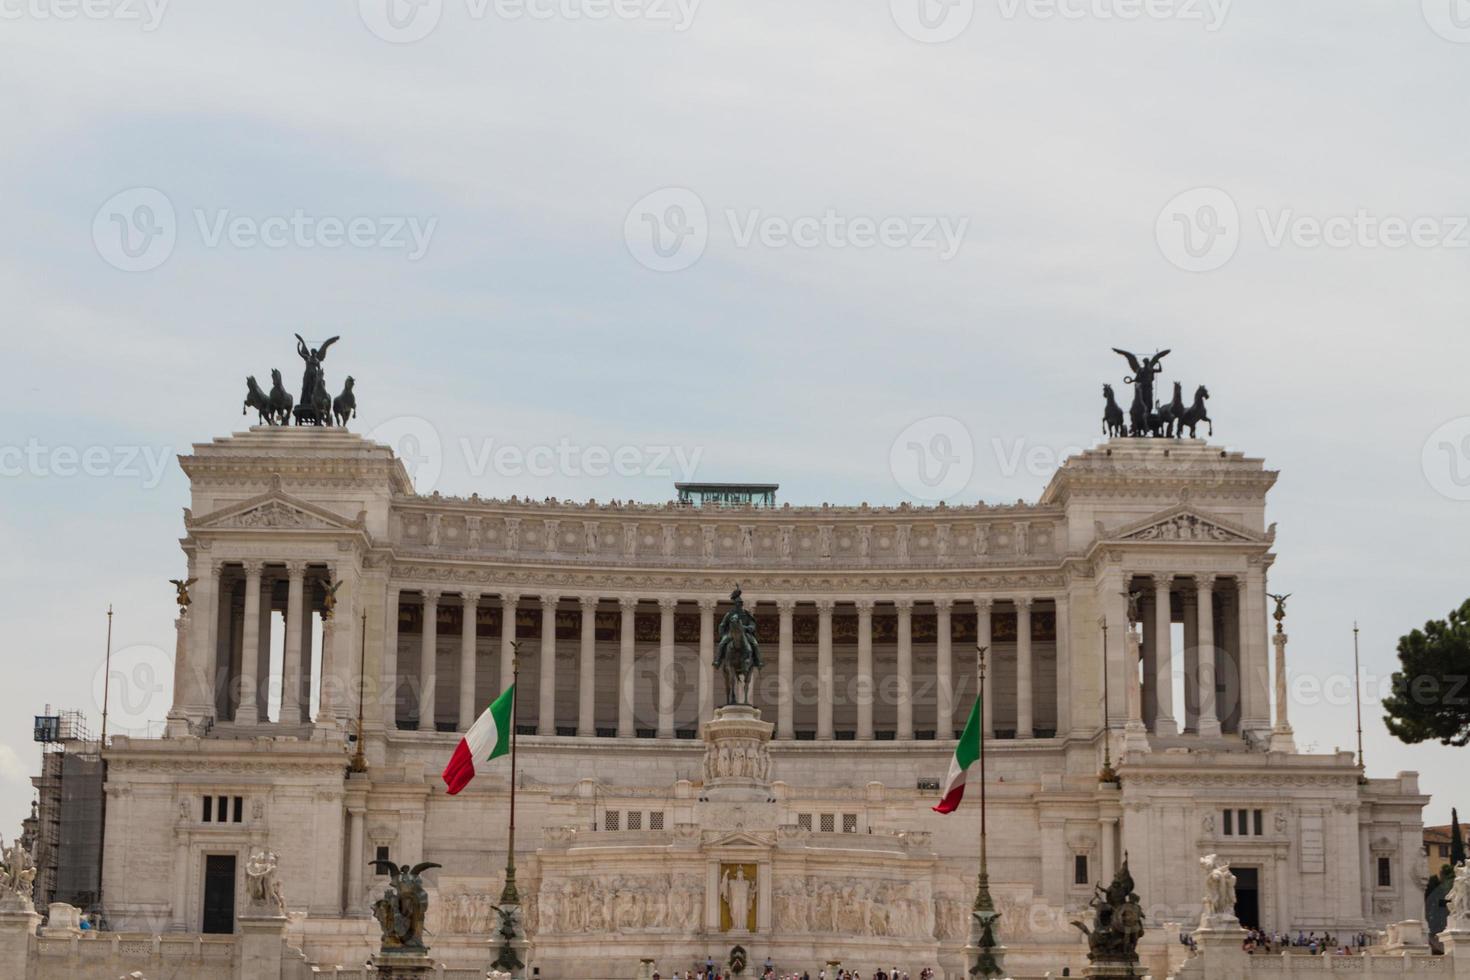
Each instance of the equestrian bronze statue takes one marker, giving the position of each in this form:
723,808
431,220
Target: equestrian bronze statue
738,654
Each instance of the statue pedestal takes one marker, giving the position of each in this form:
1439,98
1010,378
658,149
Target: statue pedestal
511,955
17,925
1456,940
262,945
737,756
403,966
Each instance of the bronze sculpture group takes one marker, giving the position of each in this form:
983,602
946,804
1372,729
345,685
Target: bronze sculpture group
1146,416
316,405
1117,922
402,909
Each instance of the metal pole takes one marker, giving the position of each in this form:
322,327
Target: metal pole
509,895
983,902
359,760
1107,775
106,679
1358,694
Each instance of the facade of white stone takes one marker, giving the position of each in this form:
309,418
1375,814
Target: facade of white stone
869,622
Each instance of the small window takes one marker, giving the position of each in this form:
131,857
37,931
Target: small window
1079,870
1229,824
656,820
382,855
239,809
223,813
208,809
849,823
804,821
1385,872
1242,826
1259,816
612,820
635,819
1444,850
828,823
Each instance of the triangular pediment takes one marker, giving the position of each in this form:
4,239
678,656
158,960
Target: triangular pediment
1184,525
274,510
740,838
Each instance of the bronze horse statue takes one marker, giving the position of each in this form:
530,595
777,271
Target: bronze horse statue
1112,415
737,654
1196,413
258,400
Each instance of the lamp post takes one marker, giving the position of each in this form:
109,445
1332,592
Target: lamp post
987,951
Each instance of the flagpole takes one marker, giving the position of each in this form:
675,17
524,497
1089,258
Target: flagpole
1358,695
1107,775
983,902
509,895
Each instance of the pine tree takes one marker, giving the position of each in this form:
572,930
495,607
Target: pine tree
1430,697
1457,843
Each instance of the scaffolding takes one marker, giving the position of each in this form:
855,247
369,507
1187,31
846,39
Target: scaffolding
68,811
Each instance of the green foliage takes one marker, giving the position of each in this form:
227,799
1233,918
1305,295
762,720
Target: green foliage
1431,689
1457,843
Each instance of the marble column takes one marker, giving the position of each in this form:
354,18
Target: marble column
1063,607
1107,829
1255,683
865,670
587,669
666,608
203,655
247,713
388,694
356,859
785,714
217,676
429,661
508,603
291,673
263,631
1191,661
825,679
943,670
627,607
1024,690
905,673
706,662
470,601
983,609
1209,720
1165,722
546,714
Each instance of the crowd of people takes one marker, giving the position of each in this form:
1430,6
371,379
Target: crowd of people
1260,941
711,971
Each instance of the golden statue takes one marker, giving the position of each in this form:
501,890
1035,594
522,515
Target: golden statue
182,587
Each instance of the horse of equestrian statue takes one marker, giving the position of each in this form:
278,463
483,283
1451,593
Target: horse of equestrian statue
738,654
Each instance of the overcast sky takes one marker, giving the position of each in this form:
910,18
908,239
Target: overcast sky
774,237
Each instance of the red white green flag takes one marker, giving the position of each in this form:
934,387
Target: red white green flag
964,755
488,738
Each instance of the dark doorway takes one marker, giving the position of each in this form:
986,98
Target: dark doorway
219,893
1248,897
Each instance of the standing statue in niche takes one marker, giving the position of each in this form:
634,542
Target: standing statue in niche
735,890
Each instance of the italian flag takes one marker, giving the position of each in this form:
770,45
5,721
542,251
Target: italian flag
964,755
488,738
